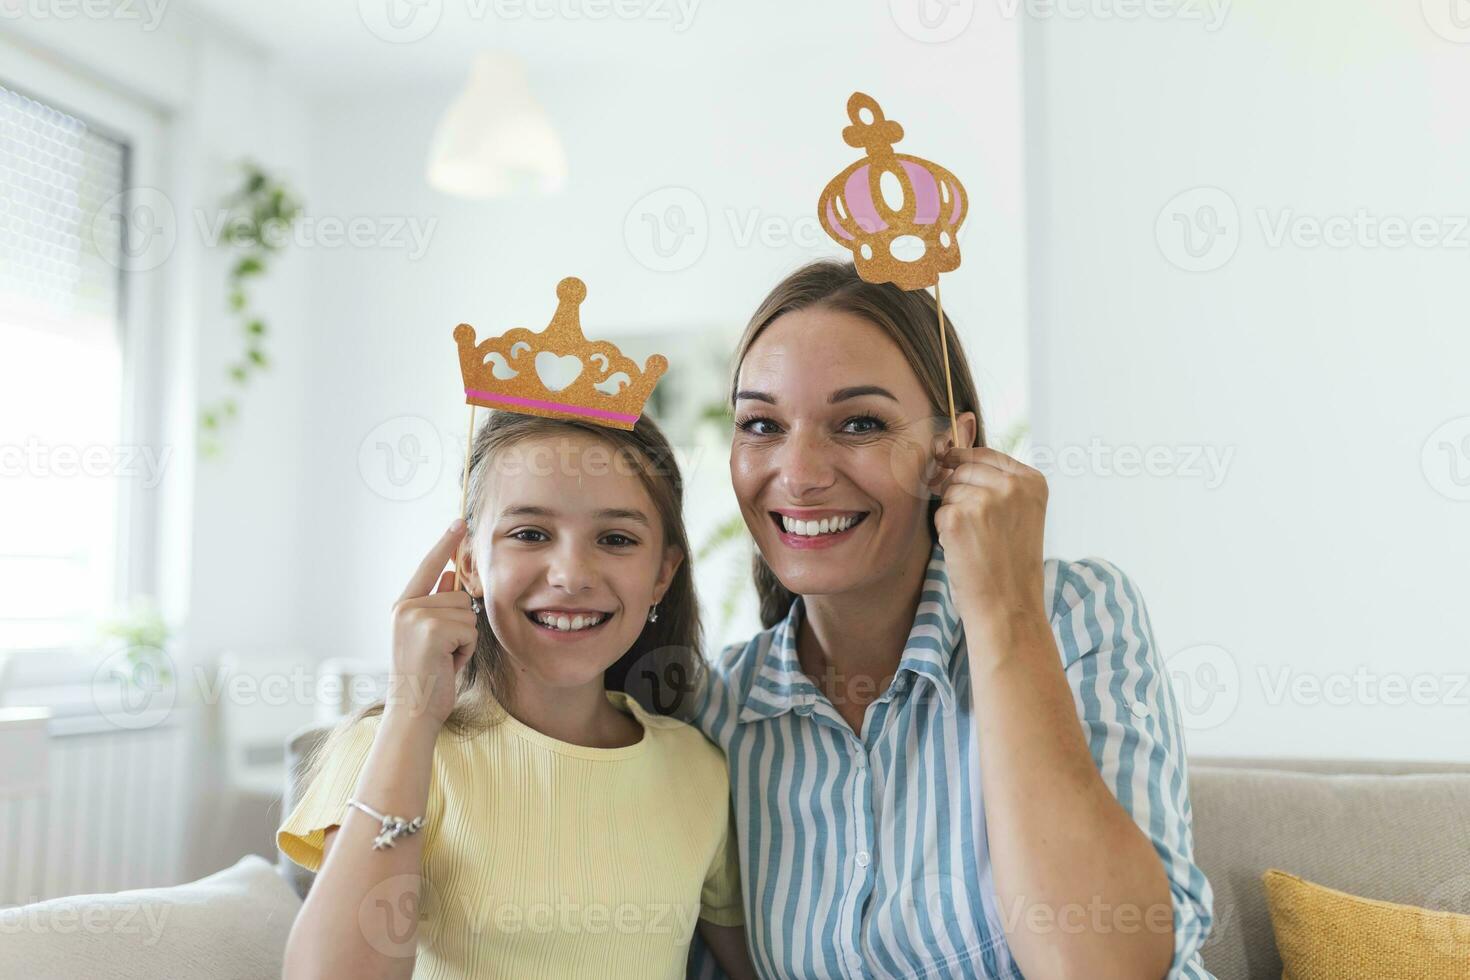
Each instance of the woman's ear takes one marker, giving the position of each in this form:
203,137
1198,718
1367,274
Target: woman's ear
673,557
967,424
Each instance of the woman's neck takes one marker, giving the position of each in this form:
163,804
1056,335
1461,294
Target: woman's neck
857,638
578,715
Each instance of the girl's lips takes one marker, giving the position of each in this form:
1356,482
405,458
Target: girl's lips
805,542
567,635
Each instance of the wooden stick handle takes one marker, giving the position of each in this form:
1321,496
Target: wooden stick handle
954,428
464,484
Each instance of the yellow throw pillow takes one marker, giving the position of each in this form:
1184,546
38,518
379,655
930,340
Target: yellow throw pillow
1324,934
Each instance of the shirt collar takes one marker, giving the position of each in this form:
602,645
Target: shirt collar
779,685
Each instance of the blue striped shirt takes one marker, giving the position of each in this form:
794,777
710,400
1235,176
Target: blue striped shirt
865,855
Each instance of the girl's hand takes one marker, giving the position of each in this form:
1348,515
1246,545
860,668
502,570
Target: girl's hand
990,520
434,635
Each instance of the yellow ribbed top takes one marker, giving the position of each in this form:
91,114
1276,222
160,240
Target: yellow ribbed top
545,859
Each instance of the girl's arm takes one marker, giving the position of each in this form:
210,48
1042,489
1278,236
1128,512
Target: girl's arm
728,945
360,919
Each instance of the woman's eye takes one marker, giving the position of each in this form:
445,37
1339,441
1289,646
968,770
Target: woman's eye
517,535
750,425
866,425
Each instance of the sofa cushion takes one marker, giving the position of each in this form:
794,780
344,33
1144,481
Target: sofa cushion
231,925
1324,934
1396,838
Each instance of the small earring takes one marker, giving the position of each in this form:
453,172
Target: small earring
476,605
653,613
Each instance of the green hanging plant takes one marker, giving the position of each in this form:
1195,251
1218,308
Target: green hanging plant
258,223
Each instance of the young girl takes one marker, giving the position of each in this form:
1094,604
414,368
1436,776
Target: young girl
507,811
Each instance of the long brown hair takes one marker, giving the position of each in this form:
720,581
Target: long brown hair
664,670
909,317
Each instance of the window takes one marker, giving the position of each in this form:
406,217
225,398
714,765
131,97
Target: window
61,372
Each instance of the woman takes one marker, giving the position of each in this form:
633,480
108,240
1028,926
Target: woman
947,756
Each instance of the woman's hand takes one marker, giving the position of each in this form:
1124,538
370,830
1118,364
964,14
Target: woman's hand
434,635
990,521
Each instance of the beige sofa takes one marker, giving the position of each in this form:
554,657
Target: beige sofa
1394,831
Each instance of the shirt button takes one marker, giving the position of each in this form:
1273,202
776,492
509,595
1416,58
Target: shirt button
1140,710
862,858
855,961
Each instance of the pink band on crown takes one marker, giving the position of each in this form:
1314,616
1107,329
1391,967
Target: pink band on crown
596,413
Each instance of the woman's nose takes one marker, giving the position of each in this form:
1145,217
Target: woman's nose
803,464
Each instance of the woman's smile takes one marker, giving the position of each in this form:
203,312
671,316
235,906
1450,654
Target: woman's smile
797,528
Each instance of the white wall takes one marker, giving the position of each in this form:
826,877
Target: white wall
1329,545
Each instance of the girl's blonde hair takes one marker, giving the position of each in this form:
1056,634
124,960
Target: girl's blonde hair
909,317
664,670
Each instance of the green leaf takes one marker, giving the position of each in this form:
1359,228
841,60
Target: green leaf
239,373
257,356
255,328
237,300
209,421
248,266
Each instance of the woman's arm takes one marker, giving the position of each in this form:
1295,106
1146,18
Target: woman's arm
360,919
1083,890
728,945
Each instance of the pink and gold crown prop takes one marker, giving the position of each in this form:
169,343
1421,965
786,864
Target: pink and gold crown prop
557,373
897,214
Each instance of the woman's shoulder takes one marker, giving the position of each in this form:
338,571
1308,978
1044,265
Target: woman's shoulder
1073,584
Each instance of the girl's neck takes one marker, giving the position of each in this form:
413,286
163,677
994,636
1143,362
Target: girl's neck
578,715
862,633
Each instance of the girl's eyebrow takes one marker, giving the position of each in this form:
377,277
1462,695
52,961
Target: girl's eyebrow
608,513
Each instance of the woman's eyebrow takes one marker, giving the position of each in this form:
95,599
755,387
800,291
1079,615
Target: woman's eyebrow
857,391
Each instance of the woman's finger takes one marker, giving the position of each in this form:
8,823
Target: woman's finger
428,571
986,456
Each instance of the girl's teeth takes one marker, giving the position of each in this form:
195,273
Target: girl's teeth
569,624
828,525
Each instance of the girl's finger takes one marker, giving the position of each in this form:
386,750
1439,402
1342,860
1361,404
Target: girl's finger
428,571
446,582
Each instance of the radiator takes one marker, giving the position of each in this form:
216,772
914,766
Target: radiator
111,817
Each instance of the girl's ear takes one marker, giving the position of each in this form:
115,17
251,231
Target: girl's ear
469,571
672,559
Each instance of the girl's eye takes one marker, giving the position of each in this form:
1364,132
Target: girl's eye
619,540
867,425
749,424
528,530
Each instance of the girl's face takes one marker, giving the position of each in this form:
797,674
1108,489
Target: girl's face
833,430
570,553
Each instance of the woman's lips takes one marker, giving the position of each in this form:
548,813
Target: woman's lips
807,542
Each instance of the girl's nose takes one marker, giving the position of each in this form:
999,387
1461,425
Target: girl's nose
570,570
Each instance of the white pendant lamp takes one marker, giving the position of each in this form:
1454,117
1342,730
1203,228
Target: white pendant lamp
495,139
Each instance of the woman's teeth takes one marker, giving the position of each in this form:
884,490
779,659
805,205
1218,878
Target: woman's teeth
827,525
570,624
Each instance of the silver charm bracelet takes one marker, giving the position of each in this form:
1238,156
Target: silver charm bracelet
393,827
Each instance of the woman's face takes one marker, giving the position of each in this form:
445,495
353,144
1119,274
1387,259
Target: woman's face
833,435
568,535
